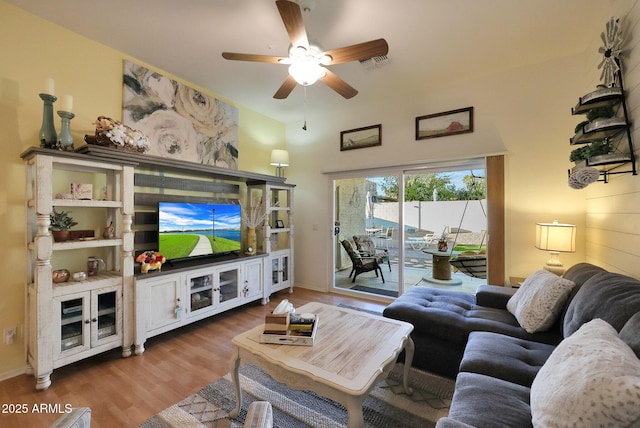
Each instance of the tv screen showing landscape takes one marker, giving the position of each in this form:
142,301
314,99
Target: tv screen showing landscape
198,229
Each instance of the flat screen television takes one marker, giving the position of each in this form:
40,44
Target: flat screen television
188,230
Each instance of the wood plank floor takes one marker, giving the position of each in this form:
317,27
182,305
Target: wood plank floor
124,392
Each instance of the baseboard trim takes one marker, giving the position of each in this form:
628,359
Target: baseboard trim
13,373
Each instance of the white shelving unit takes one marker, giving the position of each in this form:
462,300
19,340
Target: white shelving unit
276,237
73,320
120,306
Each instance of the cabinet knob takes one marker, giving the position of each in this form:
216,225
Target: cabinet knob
94,319
87,321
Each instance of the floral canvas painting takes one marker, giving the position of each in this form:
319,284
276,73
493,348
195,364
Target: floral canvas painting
180,122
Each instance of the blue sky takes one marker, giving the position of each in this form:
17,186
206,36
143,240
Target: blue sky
179,216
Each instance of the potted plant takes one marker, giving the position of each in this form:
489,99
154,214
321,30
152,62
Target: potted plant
595,148
61,223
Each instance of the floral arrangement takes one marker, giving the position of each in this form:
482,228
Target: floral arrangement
151,260
255,216
115,133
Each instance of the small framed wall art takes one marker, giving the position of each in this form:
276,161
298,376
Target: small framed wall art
443,124
361,137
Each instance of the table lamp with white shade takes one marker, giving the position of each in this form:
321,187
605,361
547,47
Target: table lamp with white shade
556,238
279,159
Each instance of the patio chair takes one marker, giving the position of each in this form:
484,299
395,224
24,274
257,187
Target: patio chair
359,263
419,242
367,248
385,238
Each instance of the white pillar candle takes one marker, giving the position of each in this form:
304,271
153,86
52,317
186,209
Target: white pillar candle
49,86
67,103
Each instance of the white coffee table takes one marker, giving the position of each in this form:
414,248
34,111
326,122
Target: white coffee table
353,351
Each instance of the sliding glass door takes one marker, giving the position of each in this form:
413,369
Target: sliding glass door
366,236
389,225
446,229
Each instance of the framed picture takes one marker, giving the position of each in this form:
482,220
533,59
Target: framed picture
362,137
279,224
443,124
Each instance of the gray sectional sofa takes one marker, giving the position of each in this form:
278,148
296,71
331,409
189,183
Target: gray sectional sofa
511,376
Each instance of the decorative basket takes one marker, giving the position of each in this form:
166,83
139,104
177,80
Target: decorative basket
114,134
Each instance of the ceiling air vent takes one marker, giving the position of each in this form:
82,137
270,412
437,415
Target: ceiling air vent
375,62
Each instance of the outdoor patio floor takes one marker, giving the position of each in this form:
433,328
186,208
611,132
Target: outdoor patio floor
417,271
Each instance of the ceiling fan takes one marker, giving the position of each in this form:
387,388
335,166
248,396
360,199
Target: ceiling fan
307,63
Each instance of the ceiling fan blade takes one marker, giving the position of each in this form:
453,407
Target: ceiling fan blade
338,85
292,18
358,52
286,88
252,57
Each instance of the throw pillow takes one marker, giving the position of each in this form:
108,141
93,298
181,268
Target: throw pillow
591,379
630,333
539,300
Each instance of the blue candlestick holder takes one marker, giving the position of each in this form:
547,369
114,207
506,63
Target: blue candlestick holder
48,136
65,141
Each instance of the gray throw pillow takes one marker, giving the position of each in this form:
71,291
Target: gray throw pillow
630,333
539,300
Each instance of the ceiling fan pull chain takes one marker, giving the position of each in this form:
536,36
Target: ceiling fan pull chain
304,127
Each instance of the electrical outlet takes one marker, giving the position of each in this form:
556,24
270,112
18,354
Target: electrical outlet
10,334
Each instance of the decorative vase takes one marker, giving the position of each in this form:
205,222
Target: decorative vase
61,275
48,136
108,232
60,235
251,241
65,140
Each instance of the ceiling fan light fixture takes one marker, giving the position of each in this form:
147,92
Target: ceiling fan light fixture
325,59
297,52
306,72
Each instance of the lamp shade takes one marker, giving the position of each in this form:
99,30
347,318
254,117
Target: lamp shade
556,237
279,157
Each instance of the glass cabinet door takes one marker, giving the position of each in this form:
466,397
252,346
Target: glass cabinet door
200,292
275,271
104,316
74,323
280,270
228,284
285,268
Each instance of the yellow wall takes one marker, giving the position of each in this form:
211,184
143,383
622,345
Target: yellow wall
31,51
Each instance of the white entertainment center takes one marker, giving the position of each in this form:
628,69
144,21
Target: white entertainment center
120,306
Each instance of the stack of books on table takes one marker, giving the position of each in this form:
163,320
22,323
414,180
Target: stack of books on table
301,330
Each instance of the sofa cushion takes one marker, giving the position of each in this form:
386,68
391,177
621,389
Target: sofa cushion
486,402
621,292
539,300
494,296
504,357
630,333
580,273
442,321
591,379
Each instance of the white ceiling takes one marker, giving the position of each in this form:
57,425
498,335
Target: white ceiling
431,42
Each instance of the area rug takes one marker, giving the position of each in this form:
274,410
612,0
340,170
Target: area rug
372,290
386,407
